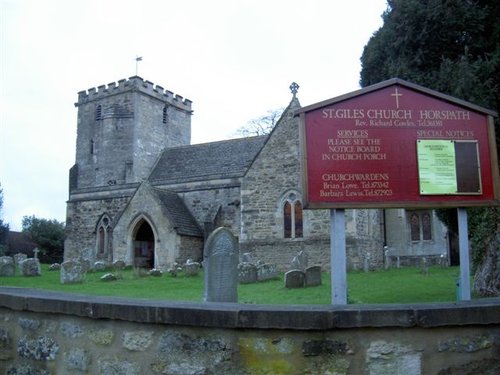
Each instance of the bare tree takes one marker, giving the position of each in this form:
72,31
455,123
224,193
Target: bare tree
261,125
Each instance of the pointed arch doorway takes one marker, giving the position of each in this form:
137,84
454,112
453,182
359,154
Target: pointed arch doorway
143,240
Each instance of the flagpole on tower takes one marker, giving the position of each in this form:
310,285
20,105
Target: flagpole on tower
137,59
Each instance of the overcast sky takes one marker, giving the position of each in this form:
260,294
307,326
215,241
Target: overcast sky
235,59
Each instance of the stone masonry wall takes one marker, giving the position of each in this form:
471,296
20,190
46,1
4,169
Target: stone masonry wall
277,171
203,203
82,219
51,334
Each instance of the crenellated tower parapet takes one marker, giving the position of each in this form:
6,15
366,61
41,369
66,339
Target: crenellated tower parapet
122,128
133,84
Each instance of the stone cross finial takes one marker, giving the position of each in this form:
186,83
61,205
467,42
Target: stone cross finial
294,87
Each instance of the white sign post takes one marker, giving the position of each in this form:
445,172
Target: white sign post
463,245
338,267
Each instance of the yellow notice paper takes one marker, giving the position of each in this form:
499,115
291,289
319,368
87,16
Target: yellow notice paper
437,166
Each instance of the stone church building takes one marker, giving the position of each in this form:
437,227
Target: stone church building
141,193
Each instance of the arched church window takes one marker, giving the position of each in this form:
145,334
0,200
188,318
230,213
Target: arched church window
420,225
101,240
98,112
103,235
287,219
298,219
292,217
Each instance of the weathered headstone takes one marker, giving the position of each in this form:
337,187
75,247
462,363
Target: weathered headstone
108,277
387,258
366,262
267,272
31,267
89,254
99,265
18,258
221,266
313,276
55,267
300,261
174,270
86,264
191,268
246,258
155,272
294,279
424,266
247,273
72,272
7,266
118,264
35,252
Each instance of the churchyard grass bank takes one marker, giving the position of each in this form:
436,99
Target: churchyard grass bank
403,285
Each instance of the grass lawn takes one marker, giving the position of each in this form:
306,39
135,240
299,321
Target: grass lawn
404,285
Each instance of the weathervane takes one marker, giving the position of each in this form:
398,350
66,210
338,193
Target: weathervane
137,59
294,87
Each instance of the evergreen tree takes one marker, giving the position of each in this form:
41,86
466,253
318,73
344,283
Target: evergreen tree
452,47
48,234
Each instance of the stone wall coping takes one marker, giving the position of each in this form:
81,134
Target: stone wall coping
236,315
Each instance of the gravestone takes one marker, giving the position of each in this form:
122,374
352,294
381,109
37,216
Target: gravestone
55,267
246,258
300,261
108,277
191,268
7,266
366,262
99,265
118,264
72,272
31,267
267,271
313,276
86,264
294,279
424,266
247,273
88,254
18,258
387,258
221,256
155,272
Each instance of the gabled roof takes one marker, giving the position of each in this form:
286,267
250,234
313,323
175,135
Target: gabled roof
391,82
19,242
215,160
178,214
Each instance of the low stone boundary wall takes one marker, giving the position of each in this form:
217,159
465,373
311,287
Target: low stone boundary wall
45,332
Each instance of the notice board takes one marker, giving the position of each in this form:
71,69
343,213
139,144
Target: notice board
397,144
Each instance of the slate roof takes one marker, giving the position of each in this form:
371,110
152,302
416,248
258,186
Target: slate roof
205,161
19,242
178,214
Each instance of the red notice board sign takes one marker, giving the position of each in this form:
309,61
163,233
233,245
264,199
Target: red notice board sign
397,144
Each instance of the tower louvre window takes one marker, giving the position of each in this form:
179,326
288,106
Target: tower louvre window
165,114
98,113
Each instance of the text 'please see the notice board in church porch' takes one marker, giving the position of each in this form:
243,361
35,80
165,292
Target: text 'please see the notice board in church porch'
397,144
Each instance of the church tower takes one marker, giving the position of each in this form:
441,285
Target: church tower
122,128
